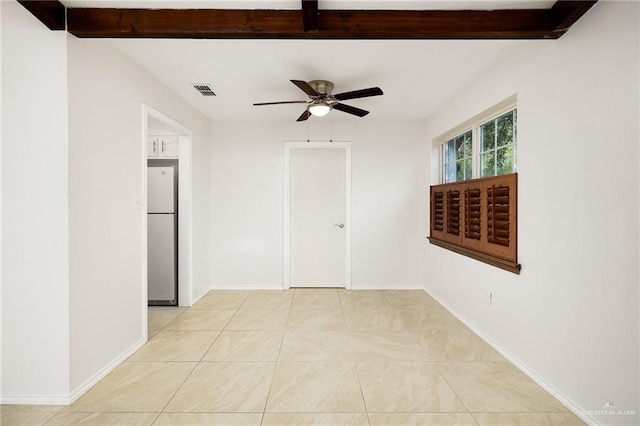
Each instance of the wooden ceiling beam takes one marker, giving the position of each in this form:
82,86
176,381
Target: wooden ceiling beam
310,15
49,12
566,13
184,23
309,23
288,24
435,24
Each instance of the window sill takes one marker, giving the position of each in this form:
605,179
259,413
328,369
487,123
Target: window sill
491,260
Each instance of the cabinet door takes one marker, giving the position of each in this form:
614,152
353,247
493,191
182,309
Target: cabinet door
153,146
169,147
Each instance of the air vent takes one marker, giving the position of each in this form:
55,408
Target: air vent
204,89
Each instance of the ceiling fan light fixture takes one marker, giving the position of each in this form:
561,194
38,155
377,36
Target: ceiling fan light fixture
319,108
322,101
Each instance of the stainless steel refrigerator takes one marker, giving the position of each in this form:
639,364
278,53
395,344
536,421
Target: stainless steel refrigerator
162,232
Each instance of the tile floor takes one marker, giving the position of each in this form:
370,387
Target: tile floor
308,357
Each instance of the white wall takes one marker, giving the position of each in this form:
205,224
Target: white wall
107,160
35,244
247,196
571,317
156,127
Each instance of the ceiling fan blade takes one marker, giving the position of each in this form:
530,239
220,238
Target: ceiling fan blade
278,103
363,93
304,86
350,110
305,115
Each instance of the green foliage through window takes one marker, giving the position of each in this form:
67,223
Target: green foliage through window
494,151
498,145
458,155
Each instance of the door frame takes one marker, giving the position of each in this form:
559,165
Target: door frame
185,217
288,146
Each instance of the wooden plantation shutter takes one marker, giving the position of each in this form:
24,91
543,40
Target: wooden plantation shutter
446,215
474,216
498,215
501,202
452,217
453,212
478,218
437,213
472,213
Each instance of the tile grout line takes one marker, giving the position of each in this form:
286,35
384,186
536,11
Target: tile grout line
220,333
355,363
155,420
275,367
364,401
164,326
435,364
197,363
55,413
286,322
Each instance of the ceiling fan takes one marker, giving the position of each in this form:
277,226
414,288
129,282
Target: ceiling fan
322,101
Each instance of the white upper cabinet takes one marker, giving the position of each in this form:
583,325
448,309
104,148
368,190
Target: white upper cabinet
162,147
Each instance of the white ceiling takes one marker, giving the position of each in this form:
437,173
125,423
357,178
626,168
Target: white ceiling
416,76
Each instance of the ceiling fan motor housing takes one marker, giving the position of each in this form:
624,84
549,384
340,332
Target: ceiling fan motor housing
323,87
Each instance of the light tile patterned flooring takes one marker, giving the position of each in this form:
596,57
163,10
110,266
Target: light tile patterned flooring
308,356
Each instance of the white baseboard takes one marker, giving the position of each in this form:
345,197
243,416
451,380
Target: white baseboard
79,391
381,286
195,299
574,408
35,400
248,287
93,380
376,286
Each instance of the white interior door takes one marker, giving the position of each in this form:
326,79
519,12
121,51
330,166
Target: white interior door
318,216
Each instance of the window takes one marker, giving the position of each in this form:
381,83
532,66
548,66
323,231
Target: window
484,146
458,156
474,210
498,145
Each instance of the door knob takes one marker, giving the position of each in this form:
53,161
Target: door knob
339,225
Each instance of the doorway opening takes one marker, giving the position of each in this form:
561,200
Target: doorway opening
167,147
317,214
162,229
